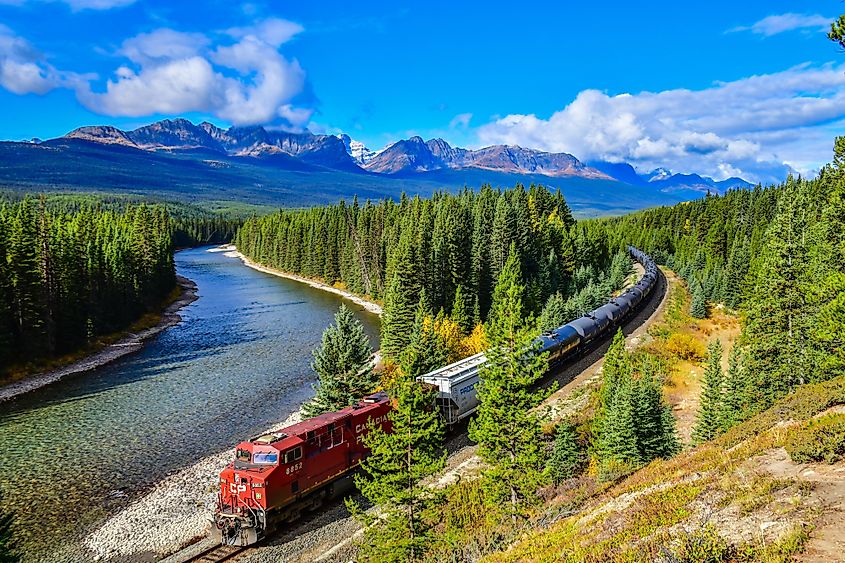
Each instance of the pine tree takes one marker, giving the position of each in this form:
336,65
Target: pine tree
399,459
462,310
554,313
633,424
777,329
566,454
617,441
733,402
401,297
426,351
616,367
342,362
710,406
653,419
829,329
508,433
698,307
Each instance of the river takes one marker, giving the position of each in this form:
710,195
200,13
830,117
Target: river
84,447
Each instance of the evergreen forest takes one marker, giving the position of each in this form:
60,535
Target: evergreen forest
67,277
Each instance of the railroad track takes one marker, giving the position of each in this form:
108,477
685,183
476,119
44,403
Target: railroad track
217,554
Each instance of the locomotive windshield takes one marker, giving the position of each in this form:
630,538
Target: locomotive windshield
265,457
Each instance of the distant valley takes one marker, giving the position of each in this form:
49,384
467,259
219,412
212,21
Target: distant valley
179,159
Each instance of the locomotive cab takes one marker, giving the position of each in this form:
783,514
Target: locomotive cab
275,476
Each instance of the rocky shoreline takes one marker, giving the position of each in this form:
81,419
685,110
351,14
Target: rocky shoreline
176,511
232,251
128,345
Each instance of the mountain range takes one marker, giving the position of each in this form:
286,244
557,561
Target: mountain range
278,167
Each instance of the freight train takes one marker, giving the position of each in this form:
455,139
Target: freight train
276,476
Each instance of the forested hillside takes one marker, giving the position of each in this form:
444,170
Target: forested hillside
448,250
775,254
68,276
190,224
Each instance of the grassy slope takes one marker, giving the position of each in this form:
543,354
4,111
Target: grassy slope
738,498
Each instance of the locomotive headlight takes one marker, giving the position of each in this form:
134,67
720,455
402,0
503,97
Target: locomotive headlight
258,496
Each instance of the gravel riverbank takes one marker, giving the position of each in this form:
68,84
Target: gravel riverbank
176,511
232,251
131,343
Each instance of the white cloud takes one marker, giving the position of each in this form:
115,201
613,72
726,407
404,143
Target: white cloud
245,82
772,25
754,127
273,31
460,121
162,45
23,70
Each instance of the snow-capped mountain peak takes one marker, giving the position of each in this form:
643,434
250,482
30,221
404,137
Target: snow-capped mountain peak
357,150
659,174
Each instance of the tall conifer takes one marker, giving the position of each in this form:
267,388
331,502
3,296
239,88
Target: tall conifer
508,433
342,362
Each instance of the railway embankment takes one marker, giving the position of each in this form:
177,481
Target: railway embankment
129,343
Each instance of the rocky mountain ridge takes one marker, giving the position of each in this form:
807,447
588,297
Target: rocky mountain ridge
404,158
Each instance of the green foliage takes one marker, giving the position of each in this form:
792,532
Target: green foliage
342,361
554,313
68,277
401,298
819,439
453,246
734,402
708,422
587,289
508,433
567,454
426,350
837,31
633,424
399,459
698,307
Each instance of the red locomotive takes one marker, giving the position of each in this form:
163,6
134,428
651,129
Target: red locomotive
277,475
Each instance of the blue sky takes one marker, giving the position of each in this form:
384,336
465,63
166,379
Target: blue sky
720,88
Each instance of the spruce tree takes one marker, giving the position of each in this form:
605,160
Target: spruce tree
648,415
777,332
733,402
462,310
342,362
554,313
566,456
411,450
710,405
507,431
698,307
401,297
829,329
617,441
426,351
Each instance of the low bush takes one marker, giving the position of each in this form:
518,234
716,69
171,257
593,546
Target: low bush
685,347
821,439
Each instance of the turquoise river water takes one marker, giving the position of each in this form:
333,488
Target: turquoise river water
78,450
